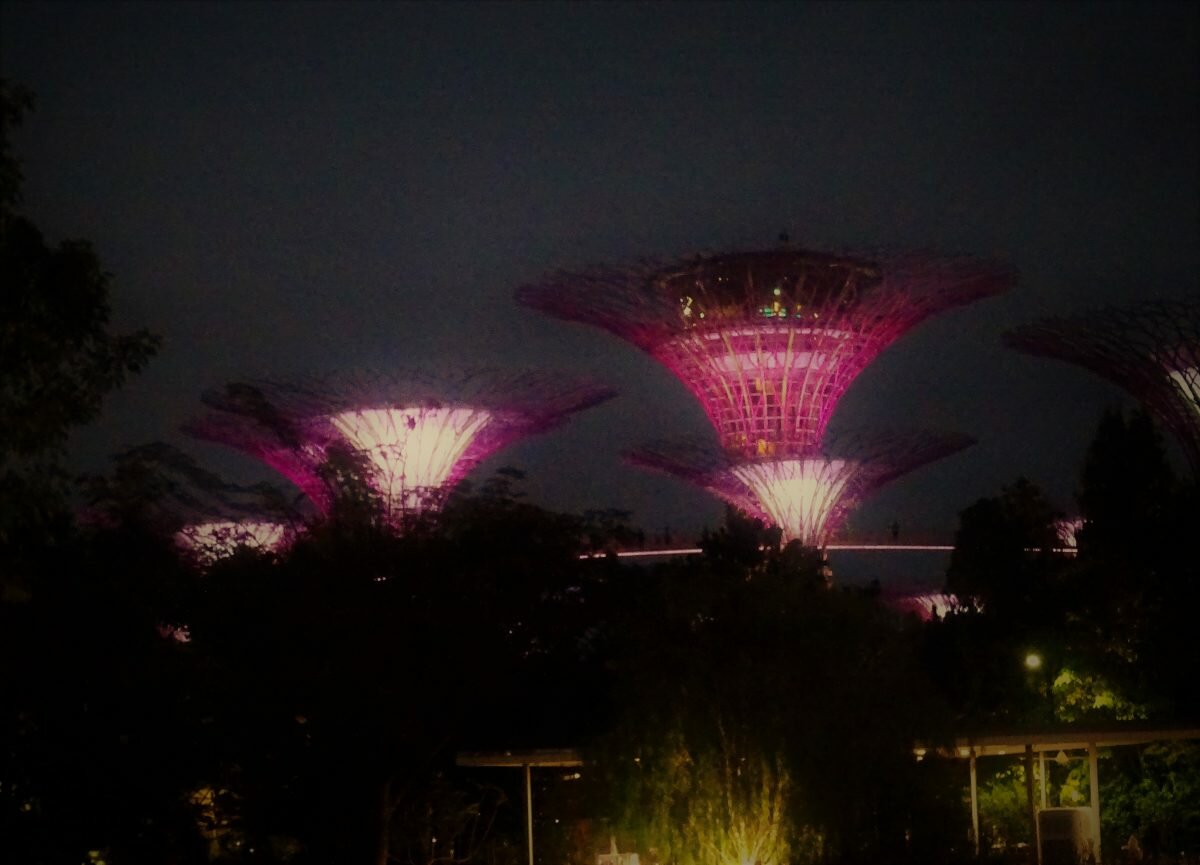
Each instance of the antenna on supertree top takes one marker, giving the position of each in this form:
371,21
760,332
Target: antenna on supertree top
768,342
808,498
417,434
1152,350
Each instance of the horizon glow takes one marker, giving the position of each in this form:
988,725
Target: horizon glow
411,450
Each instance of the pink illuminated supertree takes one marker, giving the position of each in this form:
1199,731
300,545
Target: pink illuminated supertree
1152,350
768,342
417,435
808,497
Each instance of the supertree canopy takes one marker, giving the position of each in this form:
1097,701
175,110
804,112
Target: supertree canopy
808,497
416,435
1152,350
767,341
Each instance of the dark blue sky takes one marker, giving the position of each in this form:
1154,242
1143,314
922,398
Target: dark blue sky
283,188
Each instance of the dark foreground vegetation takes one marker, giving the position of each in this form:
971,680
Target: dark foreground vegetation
307,706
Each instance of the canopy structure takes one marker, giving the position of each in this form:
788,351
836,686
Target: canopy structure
1053,741
807,498
1152,350
525,761
413,435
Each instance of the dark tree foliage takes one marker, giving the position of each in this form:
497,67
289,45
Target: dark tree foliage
1004,551
1137,577
58,358
747,642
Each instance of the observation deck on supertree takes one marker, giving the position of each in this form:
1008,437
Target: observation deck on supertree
418,434
807,497
769,342
1152,350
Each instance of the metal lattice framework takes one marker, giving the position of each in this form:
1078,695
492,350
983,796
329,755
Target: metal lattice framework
1152,350
808,497
768,342
419,433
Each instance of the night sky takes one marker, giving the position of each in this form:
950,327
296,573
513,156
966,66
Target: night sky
285,188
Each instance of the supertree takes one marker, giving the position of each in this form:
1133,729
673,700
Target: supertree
1152,350
166,491
808,497
415,435
768,342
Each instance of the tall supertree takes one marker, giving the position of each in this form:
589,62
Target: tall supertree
1152,350
768,342
416,435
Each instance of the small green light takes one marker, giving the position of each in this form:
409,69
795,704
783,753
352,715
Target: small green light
778,291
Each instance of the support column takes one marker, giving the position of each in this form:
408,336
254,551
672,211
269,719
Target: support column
1029,796
1042,776
528,813
1094,783
974,806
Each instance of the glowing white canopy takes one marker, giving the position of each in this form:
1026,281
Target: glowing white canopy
412,450
798,495
1187,382
215,540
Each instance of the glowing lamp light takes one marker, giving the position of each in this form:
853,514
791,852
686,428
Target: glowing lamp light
411,450
798,495
1033,661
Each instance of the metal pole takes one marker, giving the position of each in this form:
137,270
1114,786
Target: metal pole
974,806
1094,783
528,814
1029,795
1042,775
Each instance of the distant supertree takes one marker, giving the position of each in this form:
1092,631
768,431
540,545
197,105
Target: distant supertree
926,605
808,497
1152,350
166,491
417,434
768,342
212,540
